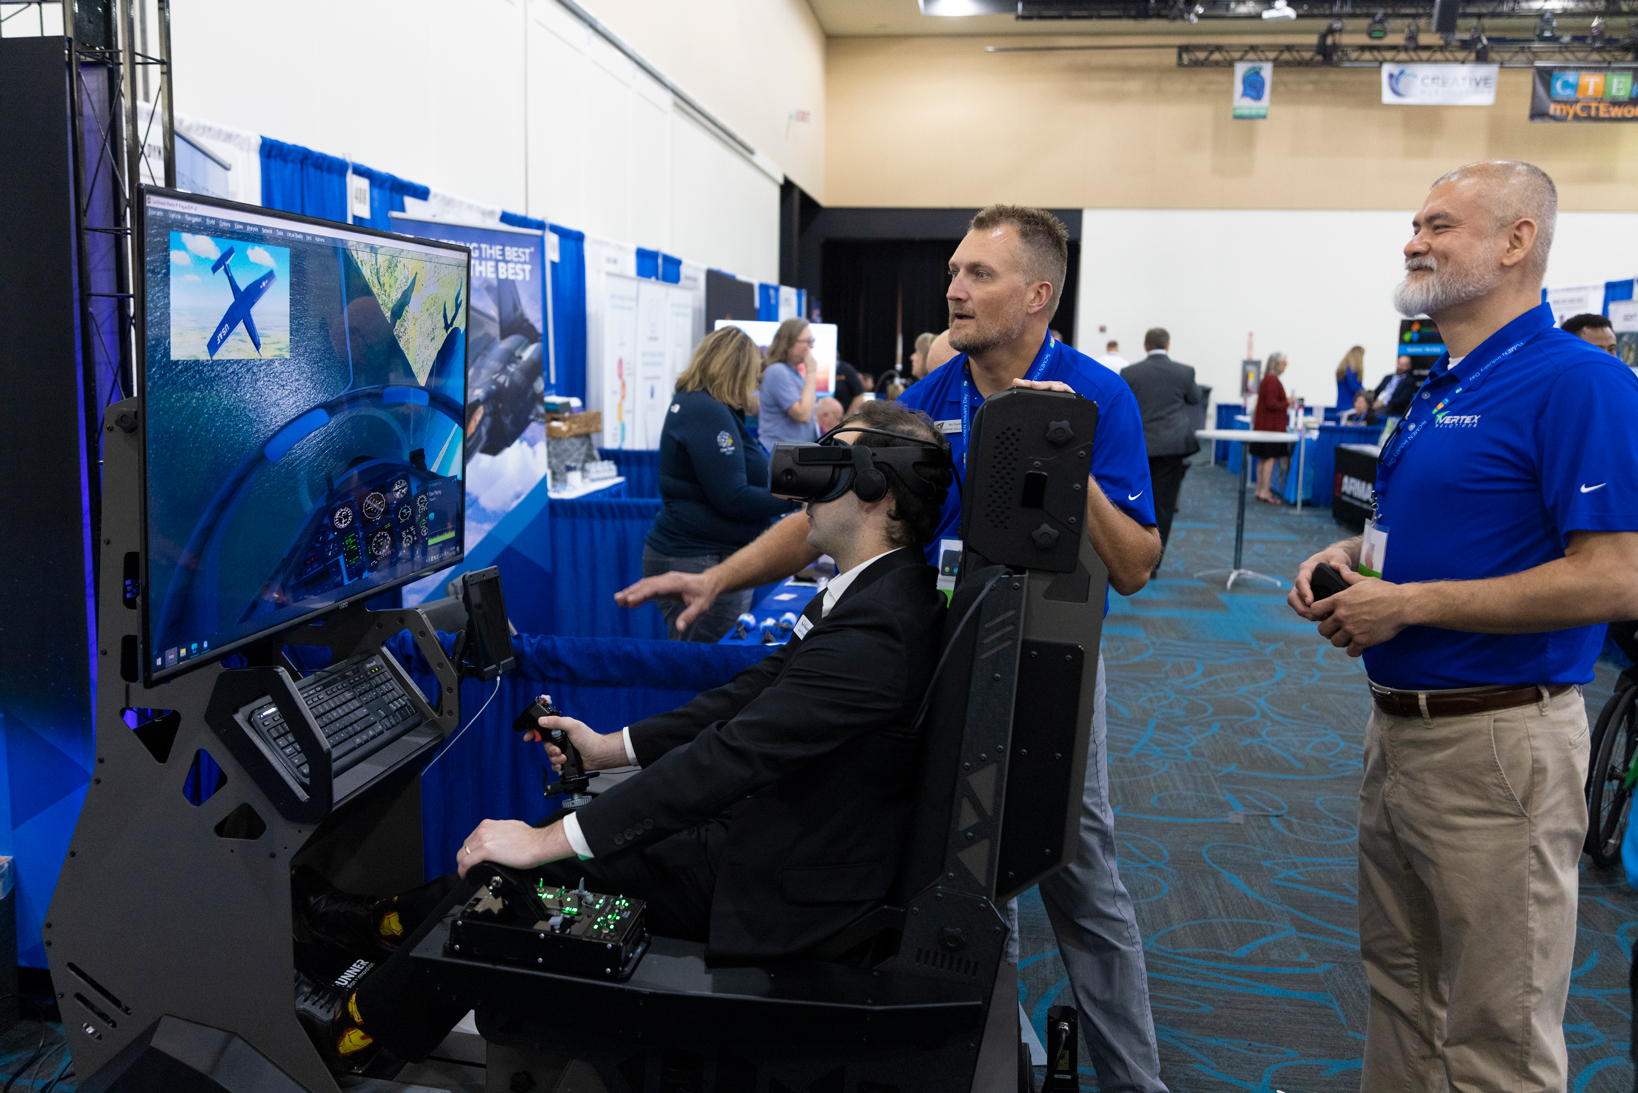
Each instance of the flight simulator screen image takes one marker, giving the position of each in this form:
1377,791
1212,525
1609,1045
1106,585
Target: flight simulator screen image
304,387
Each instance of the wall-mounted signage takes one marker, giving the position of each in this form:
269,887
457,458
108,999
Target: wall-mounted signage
1439,85
1585,94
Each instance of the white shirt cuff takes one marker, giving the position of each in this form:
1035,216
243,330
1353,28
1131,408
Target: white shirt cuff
631,752
577,841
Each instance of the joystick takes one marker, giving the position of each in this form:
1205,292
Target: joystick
573,780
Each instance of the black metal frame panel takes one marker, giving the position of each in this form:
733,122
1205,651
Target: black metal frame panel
161,910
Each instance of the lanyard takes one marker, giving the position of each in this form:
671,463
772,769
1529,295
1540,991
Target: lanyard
1407,431
1036,371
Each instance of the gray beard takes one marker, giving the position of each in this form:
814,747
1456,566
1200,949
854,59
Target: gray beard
1443,288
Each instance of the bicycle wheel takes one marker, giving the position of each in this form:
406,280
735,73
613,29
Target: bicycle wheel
1608,798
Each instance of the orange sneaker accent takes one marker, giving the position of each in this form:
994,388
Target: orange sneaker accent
353,1041
390,927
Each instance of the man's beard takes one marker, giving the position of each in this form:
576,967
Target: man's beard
1441,289
989,335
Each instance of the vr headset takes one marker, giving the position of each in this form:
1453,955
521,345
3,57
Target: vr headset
825,470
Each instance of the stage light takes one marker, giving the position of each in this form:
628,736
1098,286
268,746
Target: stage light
1377,30
1596,31
1280,10
1481,44
1329,39
1546,27
1413,37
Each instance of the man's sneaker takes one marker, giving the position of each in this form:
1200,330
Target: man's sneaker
360,925
330,1015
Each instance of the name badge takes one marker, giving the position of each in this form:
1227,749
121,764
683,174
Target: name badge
950,425
949,562
803,625
1373,549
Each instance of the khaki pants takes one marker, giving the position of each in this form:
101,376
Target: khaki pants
1470,832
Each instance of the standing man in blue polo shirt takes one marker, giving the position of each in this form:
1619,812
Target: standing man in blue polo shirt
1006,280
1505,533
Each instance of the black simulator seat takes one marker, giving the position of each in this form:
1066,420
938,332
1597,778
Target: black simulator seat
914,995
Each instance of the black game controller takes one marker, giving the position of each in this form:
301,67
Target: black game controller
573,781
1326,581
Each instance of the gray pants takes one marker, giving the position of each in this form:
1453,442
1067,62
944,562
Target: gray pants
1096,927
714,621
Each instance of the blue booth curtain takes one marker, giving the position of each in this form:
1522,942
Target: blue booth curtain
569,311
767,303
486,771
639,466
1615,292
670,269
518,220
300,180
596,550
648,264
387,193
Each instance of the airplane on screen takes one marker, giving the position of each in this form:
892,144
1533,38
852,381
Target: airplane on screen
239,311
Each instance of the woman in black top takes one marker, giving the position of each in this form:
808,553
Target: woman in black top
713,477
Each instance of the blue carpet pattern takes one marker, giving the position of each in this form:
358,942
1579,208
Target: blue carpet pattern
1234,744
1234,764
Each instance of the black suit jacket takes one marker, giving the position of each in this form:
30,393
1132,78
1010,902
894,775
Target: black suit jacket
1163,388
802,769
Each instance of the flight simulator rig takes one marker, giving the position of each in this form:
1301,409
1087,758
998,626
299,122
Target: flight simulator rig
170,936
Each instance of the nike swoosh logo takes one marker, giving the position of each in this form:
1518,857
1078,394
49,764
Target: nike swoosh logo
1589,489
1135,496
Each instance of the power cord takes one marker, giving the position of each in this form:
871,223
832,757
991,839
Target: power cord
450,743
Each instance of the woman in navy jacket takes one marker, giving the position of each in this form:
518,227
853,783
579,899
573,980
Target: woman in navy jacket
713,476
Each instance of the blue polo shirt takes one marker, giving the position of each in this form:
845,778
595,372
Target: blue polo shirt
1532,436
1120,462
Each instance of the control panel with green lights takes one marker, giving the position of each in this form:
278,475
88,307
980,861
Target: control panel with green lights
518,919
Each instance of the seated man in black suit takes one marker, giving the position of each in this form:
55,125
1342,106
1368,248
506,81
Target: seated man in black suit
769,813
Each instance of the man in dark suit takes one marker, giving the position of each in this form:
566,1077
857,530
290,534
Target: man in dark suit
1164,388
1393,395
769,813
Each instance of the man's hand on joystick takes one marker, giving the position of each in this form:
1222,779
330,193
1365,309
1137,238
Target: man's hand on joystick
597,751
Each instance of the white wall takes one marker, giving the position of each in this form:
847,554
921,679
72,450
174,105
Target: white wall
507,102
1308,283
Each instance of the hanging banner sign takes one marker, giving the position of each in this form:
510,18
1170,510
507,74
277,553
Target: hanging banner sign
505,375
1624,318
1584,94
1439,85
1570,300
1253,84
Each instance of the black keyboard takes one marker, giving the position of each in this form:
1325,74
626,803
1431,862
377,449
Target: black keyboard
358,704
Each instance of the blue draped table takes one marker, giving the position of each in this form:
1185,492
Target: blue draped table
1323,456
487,771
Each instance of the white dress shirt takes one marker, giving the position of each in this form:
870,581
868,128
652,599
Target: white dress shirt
832,592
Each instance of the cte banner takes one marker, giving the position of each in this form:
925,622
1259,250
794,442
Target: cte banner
1584,94
505,377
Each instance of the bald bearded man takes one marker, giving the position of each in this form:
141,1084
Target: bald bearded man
1504,535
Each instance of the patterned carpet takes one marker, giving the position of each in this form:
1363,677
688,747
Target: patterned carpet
1234,743
1234,763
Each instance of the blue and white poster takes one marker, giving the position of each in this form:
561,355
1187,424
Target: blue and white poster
506,378
1253,84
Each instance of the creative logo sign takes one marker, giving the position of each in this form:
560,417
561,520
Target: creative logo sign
1439,85
1584,94
1252,85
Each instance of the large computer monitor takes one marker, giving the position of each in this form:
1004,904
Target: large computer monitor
302,388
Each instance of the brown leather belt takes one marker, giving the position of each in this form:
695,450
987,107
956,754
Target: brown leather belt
1444,704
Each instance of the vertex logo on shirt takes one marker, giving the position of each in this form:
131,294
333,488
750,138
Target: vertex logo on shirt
1458,421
